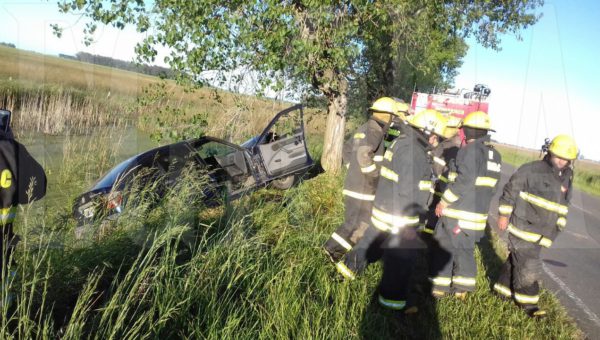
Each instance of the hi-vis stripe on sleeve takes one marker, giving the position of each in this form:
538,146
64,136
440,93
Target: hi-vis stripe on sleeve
359,135
561,222
485,182
368,169
544,203
452,176
377,158
505,209
425,185
389,174
449,196
388,155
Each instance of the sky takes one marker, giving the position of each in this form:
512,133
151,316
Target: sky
542,85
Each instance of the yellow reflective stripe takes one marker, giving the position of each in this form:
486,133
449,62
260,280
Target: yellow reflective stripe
464,281
465,215
528,299
561,222
392,304
505,209
347,165
486,181
439,161
388,155
368,169
544,203
359,135
389,174
380,225
452,176
529,237
341,241
397,221
345,271
378,158
358,195
8,215
441,281
503,290
449,196
427,230
443,178
471,225
425,185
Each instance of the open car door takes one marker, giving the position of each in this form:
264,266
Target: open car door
282,146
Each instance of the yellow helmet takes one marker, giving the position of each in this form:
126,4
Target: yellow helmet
429,120
452,126
385,105
401,109
564,147
478,120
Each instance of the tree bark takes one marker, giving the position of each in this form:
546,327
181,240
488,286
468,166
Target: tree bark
331,159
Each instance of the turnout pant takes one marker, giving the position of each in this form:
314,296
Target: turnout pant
521,272
357,215
453,266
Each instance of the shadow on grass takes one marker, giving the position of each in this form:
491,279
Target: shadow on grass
422,325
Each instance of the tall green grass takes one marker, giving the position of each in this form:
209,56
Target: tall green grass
252,270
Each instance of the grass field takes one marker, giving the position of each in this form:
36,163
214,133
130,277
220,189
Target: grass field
252,269
587,173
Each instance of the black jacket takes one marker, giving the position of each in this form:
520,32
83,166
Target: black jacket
536,198
405,183
22,178
477,168
363,152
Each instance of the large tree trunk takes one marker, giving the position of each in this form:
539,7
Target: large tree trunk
331,159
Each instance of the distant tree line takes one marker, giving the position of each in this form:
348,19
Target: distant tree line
152,70
11,45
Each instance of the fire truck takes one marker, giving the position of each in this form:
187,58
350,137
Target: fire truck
455,102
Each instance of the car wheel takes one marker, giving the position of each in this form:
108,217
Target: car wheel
284,183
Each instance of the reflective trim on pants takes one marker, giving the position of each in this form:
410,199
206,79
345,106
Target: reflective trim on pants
358,195
527,299
501,289
341,241
392,304
529,237
345,271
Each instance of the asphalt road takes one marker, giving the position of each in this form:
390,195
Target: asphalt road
572,265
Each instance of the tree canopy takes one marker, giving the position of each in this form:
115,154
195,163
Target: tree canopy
322,45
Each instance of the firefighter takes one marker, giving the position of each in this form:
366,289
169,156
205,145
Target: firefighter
443,155
463,209
22,180
362,154
398,209
533,207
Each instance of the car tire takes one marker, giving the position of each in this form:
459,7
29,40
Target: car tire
284,183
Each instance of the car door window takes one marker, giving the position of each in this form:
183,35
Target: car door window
282,145
223,159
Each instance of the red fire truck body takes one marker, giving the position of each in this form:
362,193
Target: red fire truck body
457,103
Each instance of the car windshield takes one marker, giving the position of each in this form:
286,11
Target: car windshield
109,179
